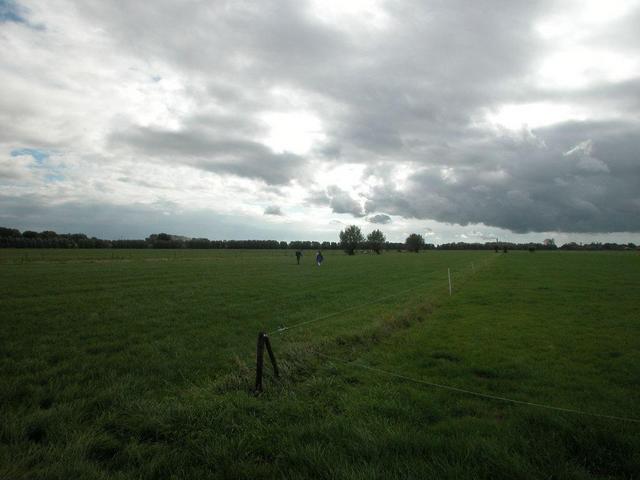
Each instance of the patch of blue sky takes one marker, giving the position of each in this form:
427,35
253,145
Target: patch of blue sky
11,12
38,155
53,177
51,173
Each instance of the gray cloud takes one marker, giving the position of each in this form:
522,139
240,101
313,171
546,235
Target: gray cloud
341,202
533,189
380,218
133,221
318,198
273,210
221,155
409,100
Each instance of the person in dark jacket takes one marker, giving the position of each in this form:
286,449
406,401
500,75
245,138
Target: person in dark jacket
319,258
298,255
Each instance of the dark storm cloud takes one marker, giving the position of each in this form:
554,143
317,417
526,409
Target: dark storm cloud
586,178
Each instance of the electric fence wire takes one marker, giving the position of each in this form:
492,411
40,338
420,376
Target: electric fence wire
439,385
353,307
477,394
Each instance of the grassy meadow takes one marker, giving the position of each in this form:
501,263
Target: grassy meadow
140,365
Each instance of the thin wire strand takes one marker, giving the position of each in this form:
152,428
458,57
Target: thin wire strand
478,394
354,307
439,385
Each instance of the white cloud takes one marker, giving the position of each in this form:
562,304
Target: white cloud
351,14
535,115
295,132
377,106
583,148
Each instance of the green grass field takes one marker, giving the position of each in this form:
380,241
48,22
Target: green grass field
140,364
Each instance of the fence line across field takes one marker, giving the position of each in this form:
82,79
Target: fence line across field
260,298
439,385
478,394
353,307
397,279
361,305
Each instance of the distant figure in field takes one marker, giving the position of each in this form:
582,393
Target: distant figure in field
298,255
319,258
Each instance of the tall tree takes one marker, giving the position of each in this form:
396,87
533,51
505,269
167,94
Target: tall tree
414,242
376,241
351,238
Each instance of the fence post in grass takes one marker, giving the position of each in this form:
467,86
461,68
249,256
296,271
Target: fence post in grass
259,362
449,275
263,340
272,357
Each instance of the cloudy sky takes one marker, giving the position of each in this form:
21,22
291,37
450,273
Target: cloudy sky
289,119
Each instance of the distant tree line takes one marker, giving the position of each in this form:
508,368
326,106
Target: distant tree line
599,246
13,238
532,246
496,245
351,241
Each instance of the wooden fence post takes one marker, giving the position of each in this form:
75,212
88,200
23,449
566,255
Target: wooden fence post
259,362
272,357
263,340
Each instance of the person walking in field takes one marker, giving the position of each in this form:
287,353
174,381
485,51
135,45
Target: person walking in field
298,255
319,258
